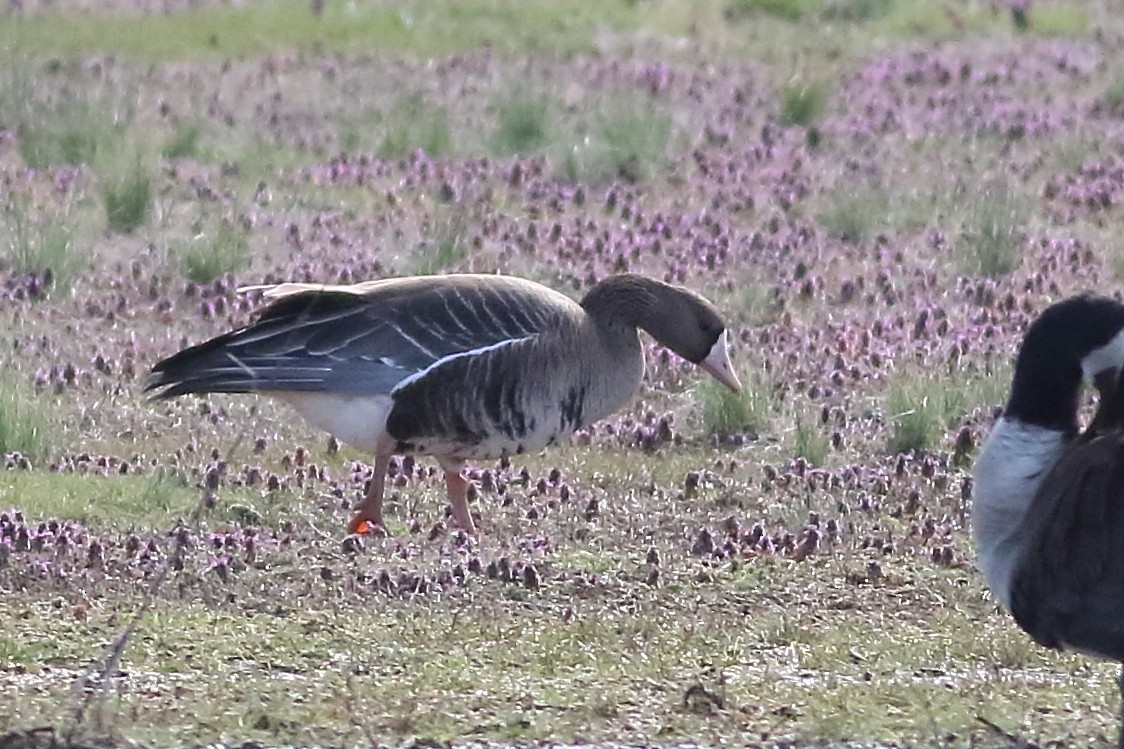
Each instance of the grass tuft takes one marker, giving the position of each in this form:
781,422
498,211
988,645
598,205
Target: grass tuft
1050,19
756,303
853,215
803,104
127,202
1113,96
23,425
809,441
69,127
788,10
924,407
445,245
184,143
40,245
725,413
916,415
992,234
207,257
628,142
411,124
522,122
858,11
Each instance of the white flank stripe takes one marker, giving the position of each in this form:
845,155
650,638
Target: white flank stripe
459,355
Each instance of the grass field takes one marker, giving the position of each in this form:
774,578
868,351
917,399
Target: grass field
878,194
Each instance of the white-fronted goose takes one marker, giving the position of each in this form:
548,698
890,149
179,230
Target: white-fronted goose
460,367
1048,510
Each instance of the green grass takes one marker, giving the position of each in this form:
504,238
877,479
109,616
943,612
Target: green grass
917,412
809,440
417,29
858,11
149,502
1113,94
128,201
184,143
75,124
924,407
627,140
414,123
445,243
935,21
39,244
855,213
993,233
1059,20
523,122
787,10
754,302
214,252
803,103
24,422
133,501
725,413
1116,263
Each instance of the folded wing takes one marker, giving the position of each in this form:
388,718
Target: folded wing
361,340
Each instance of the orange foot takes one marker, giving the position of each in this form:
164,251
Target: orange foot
364,525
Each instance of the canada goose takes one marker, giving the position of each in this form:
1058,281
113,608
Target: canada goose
460,367
1048,505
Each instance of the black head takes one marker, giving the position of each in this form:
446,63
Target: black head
1073,339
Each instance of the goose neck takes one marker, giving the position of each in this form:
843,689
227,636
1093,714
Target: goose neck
624,300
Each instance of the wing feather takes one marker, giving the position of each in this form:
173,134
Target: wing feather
363,339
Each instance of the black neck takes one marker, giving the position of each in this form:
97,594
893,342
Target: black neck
1045,397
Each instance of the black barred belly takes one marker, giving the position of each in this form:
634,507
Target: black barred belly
482,408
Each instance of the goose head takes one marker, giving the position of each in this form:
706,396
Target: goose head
676,317
1079,339
690,326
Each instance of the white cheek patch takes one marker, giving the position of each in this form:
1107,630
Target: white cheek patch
1110,355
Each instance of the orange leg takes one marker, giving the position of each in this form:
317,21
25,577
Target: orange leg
457,487
368,515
